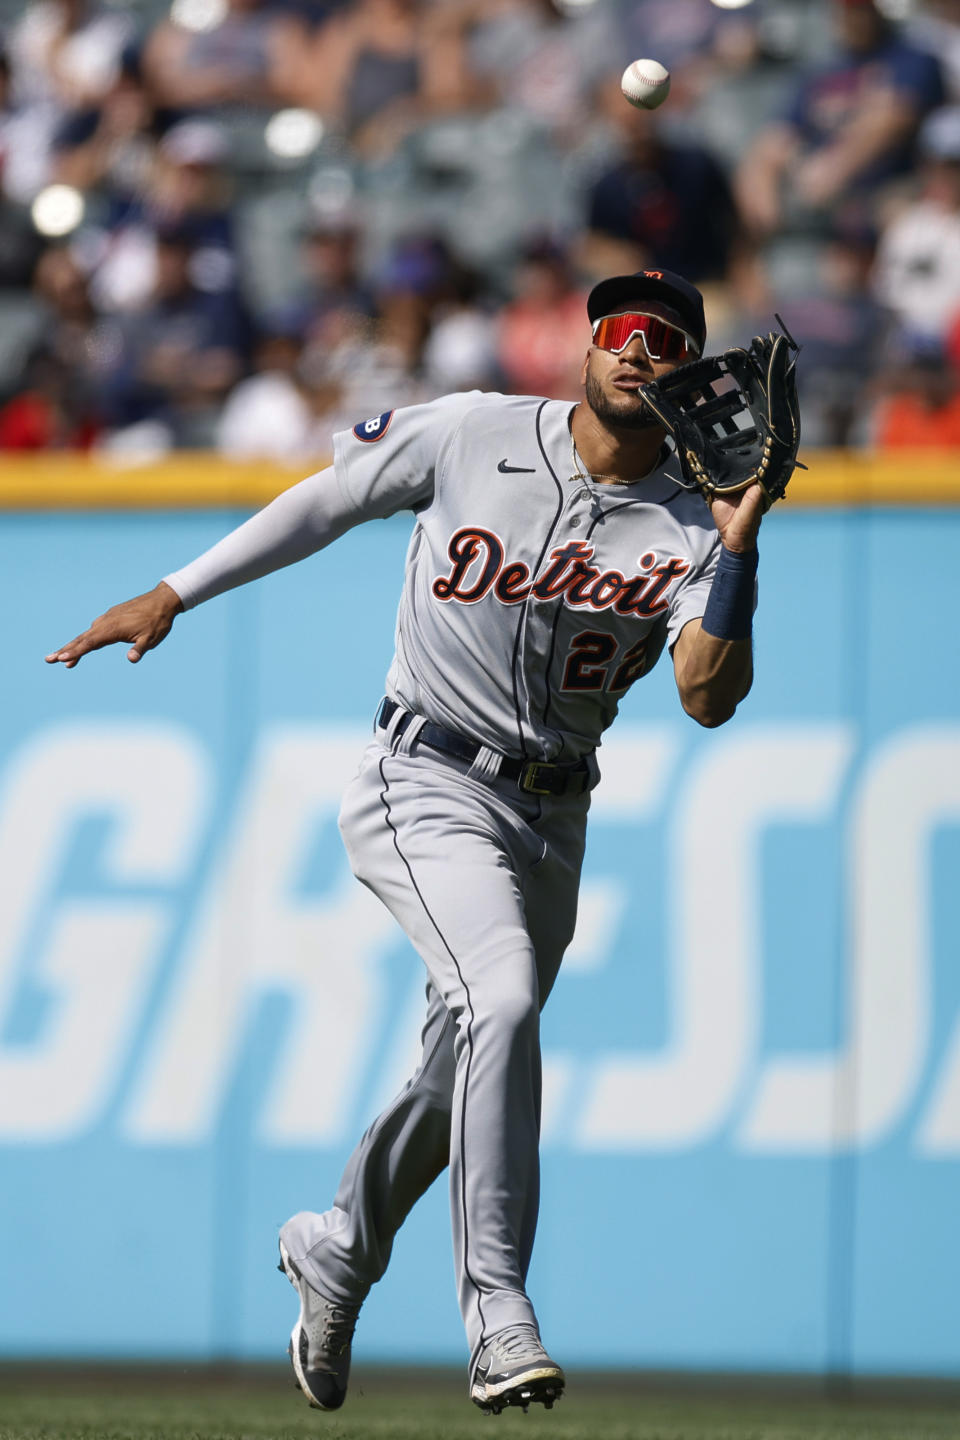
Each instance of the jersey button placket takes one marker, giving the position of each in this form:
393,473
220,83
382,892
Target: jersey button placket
579,497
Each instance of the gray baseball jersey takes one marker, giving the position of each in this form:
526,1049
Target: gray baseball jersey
532,600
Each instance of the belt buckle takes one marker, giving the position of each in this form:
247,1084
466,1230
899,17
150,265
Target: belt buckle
529,775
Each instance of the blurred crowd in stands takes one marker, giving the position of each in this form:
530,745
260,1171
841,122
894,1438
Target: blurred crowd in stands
246,224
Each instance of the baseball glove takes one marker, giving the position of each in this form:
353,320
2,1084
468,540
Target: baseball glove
734,418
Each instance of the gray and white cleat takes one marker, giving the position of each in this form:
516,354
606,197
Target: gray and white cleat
320,1342
514,1369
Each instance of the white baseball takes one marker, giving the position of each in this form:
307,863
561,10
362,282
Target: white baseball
646,84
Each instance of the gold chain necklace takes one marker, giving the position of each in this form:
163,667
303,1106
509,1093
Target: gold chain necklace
580,474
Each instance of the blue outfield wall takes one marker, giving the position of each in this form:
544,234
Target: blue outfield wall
751,1138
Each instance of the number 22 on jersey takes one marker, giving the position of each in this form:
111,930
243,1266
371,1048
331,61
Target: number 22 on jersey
590,663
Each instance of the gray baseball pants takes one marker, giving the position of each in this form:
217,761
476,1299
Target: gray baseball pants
483,878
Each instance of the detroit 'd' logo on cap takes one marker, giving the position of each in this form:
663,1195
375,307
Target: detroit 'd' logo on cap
370,430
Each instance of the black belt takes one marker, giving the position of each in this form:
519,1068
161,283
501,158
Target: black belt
537,777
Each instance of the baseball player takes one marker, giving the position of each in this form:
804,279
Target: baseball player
552,559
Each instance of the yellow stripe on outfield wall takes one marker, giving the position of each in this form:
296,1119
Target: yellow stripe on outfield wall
195,480
188,481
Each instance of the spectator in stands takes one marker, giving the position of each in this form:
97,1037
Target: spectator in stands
47,410
289,409
918,263
248,58
337,303
28,124
936,28
111,148
190,187
461,349
919,405
80,348
840,327
63,55
677,32
69,318
662,203
737,84
19,242
68,52
177,359
188,190
542,337
848,131
389,364
401,335
542,58
380,68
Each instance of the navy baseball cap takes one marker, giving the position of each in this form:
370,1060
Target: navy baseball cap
621,292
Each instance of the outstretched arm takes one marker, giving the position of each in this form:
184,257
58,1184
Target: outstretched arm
299,522
713,657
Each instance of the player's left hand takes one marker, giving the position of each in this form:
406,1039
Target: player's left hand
737,516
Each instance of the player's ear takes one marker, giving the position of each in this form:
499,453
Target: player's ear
586,366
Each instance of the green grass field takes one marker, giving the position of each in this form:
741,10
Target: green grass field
239,1405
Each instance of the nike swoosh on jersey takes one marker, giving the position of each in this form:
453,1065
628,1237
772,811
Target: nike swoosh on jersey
506,469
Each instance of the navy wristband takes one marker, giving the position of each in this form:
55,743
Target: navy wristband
729,610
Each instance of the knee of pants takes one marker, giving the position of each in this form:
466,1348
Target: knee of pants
438,1104
506,1013
436,1084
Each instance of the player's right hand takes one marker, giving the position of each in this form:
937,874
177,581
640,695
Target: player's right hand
143,621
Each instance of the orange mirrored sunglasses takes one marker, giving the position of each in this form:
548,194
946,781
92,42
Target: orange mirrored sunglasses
662,340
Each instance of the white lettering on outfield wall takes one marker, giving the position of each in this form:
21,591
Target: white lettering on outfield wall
251,937
95,958
810,1103
111,1038
679,1096
639,765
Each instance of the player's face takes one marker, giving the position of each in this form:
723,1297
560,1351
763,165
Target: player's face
611,377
